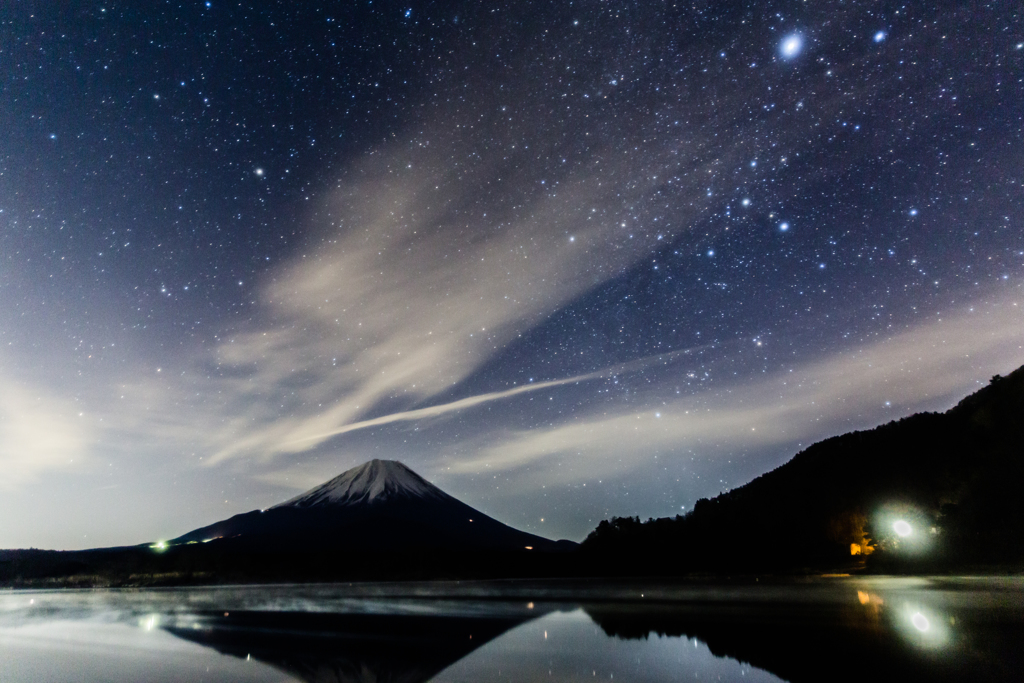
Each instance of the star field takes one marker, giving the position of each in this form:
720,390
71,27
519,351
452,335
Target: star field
566,261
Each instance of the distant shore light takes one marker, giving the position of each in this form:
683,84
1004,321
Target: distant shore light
902,528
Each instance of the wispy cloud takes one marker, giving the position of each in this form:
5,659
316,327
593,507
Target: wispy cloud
479,399
921,368
402,301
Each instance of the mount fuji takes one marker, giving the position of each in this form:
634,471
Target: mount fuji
379,506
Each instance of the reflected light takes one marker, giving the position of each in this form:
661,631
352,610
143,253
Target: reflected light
868,599
923,627
920,622
901,528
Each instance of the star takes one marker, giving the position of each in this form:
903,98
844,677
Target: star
791,45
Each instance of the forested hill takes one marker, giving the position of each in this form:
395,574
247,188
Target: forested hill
951,483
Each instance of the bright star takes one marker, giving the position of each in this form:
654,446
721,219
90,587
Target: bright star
783,227
258,171
746,202
879,37
791,46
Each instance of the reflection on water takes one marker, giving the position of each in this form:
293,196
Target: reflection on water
332,648
569,646
835,629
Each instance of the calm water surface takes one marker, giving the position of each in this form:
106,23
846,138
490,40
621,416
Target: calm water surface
821,629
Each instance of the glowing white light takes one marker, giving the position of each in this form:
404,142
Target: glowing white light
920,622
746,202
159,546
258,171
783,227
791,46
901,528
880,36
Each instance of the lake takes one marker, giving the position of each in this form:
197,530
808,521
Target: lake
824,628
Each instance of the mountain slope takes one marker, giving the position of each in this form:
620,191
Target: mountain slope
953,477
380,506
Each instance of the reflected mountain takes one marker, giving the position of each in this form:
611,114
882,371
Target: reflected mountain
866,637
348,648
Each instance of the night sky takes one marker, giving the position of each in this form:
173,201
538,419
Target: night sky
565,260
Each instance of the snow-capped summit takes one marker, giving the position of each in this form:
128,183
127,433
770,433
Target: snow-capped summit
372,482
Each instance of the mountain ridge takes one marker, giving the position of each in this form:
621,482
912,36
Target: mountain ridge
379,506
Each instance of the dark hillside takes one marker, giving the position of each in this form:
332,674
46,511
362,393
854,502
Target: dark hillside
954,478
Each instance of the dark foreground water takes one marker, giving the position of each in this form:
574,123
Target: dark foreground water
822,629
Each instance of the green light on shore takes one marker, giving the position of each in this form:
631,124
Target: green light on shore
159,546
